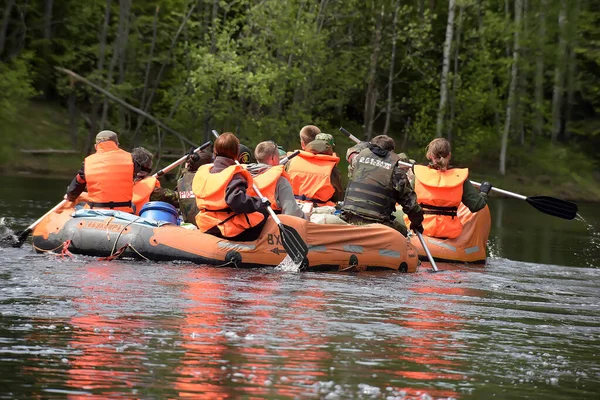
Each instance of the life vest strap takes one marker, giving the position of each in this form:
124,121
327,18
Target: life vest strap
110,204
306,198
370,188
439,210
369,206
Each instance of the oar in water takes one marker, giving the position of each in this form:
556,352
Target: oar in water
425,247
19,238
294,245
546,204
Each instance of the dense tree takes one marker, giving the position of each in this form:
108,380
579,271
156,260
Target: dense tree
264,68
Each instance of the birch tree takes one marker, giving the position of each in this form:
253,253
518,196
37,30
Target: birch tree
559,73
388,110
510,104
539,73
445,69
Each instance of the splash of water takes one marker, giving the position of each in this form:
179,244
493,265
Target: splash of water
288,265
589,251
6,233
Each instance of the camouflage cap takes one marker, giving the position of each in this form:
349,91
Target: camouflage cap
105,136
281,151
326,137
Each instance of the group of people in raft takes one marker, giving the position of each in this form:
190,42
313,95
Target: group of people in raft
215,191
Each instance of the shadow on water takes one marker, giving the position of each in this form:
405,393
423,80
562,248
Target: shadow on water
84,328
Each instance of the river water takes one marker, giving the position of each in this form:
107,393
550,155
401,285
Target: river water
526,326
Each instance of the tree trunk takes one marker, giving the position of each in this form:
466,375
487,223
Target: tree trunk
146,106
572,67
100,67
49,5
445,68
455,74
124,10
522,84
372,93
388,110
213,34
559,73
73,117
149,63
4,27
510,104
538,127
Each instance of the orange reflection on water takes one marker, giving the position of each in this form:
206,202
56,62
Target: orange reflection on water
432,346
200,373
100,362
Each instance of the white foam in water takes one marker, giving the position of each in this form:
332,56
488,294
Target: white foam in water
5,231
288,265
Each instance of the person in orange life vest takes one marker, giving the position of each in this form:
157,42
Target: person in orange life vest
224,195
187,200
272,180
107,175
146,187
313,173
441,188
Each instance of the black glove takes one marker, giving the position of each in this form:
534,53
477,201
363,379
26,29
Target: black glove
192,156
265,202
417,228
416,220
485,187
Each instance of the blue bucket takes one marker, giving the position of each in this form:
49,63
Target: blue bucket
160,211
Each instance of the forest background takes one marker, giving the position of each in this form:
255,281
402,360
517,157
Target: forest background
513,84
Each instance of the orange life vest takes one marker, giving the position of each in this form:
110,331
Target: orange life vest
439,193
310,176
209,190
267,183
142,190
109,177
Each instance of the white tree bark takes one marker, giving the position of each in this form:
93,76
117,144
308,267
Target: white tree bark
372,93
539,73
510,104
559,73
445,69
388,109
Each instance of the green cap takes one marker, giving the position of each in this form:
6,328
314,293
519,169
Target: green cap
282,152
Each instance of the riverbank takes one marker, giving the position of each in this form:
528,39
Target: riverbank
557,171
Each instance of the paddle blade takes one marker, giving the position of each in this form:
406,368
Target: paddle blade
553,206
295,246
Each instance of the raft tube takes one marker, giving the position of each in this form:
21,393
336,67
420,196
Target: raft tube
331,247
468,247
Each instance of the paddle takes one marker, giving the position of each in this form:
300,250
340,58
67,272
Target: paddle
19,238
292,242
429,256
546,204
179,161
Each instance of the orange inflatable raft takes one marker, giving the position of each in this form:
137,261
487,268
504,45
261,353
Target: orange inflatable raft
468,247
106,233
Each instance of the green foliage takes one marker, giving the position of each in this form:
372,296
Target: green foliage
15,87
265,68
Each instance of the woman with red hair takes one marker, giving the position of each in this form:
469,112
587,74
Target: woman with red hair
228,205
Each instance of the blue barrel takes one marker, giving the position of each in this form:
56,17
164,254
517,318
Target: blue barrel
160,211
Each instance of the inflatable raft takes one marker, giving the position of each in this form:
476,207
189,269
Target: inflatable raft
469,247
107,233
